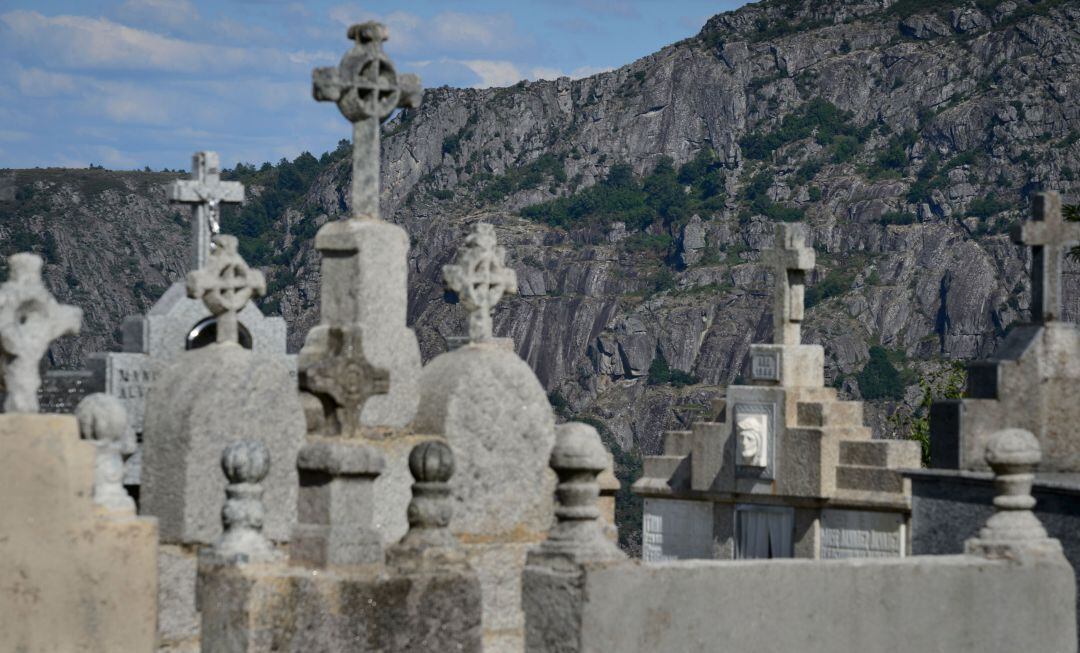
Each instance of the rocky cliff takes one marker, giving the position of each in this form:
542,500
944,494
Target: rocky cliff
907,135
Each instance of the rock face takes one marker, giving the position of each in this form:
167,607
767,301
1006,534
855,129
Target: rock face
952,115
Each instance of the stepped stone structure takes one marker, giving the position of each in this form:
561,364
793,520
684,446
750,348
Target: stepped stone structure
495,415
1032,385
206,398
79,569
786,470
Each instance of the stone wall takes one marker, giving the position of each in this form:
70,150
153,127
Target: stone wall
947,603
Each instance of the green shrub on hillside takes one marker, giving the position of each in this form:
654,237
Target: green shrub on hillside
880,379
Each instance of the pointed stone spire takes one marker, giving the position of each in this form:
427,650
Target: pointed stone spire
205,193
791,260
226,284
480,278
1048,236
30,319
367,89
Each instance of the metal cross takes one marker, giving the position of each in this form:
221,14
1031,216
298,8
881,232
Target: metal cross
1049,236
345,376
30,319
791,259
206,193
367,89
480,277
226,284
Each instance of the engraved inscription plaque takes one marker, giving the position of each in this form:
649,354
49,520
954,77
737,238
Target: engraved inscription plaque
862,534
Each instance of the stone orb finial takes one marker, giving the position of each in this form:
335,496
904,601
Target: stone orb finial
578,447
247,461
431,462
102,417
1013,448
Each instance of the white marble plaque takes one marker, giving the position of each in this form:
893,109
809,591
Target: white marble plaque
677,530
765,366
862,534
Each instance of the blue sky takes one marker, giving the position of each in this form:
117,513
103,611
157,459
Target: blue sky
133,83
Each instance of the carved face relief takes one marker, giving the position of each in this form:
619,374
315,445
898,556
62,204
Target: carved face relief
753,439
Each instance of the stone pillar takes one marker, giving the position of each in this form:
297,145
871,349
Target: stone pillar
103,420
429,542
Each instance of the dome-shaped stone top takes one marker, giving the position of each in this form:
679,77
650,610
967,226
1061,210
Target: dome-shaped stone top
578,446
101,417
1013,447
431,462
246,461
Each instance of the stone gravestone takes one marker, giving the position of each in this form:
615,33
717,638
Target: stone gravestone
78,576
205,399
177,323
785,448
1031,381
494,413
364,291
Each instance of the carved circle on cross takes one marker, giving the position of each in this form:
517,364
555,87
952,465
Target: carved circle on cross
371,88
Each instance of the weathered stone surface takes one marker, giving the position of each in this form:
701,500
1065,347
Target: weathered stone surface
208,398
103,420
264,608
1008,606
78,579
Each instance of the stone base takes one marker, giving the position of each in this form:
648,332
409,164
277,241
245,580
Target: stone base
75,577
178,620
273,607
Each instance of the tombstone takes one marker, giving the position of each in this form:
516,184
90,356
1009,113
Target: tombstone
79,576
783,447
205,399
1031,381
1030,384
495,415
177,323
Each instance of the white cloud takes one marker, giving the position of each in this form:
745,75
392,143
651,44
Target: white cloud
494,73
36,82
80,42
174,14
448,33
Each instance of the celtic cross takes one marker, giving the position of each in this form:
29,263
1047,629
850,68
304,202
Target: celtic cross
1049,236
205,192
367,89
480,277
30,319
344,375
225,284
791,259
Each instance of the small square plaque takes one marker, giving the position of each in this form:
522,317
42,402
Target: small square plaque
765,366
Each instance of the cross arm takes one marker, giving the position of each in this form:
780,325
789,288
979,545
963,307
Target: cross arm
411,91
326,84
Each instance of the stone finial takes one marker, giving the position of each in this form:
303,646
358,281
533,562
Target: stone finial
344,378
245,463
480,277
104,420
205,192
226,284
791,260
578,534
1049,236
30,319
1013,530
366,88
429,540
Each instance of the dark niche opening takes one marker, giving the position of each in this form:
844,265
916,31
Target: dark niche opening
205,333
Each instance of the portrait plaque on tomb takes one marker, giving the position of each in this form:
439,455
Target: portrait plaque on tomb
754,428
862,534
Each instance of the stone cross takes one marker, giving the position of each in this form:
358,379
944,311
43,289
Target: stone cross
480,277
30,319
226,284
104,420
345,376
367,89
791,260
245,463
206,193
1049,236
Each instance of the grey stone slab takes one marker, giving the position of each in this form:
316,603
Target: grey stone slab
862,534
206,399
